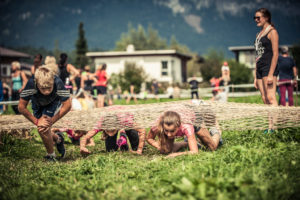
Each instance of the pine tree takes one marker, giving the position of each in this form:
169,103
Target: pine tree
81,48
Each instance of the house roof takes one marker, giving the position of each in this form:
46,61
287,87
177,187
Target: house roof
12,53
169,52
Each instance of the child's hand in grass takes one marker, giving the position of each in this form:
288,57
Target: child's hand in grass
136,152
84,151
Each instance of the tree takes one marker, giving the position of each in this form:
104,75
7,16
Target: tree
174,44
132,74
212,65
239,73
81,48
140,39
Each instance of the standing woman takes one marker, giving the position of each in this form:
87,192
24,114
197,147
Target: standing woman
266,47
36,63
19,81
101,85
87,80
65,70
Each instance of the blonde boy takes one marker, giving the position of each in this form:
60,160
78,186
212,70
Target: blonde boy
50,102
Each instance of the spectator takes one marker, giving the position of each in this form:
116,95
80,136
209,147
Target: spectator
131,95
37,61
176,92
1,96
287,76
194,87
170,91
101,85
6,92
19,81
266,48
65,70
155,89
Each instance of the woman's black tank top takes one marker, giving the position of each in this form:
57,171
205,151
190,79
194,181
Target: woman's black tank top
63,73
88,84
264,53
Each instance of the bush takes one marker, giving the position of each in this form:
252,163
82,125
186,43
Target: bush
132,75
239,73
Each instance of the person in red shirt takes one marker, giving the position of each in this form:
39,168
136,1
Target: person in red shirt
101,85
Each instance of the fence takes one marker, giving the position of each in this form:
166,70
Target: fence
203,92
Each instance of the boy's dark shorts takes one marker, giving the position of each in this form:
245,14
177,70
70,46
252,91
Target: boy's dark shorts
49,110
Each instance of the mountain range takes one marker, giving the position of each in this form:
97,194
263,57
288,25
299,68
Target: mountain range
198,24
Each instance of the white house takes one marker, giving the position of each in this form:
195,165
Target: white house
246,54
162,65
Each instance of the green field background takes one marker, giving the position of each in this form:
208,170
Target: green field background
250,165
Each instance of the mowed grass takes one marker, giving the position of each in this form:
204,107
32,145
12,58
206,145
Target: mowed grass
250,165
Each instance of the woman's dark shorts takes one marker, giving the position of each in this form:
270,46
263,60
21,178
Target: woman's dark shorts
101,90
263,71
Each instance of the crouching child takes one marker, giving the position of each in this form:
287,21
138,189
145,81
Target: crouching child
50,101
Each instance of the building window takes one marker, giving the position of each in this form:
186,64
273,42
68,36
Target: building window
5,70
164,68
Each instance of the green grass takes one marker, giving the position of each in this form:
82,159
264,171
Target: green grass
250,165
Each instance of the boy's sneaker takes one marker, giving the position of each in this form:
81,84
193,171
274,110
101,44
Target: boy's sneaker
50,158
60,146
122,143
266,131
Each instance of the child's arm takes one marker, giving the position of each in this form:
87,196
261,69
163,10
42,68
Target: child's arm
192,142
24,78
84,139
151,139
43,124
66,107
142,135
24,111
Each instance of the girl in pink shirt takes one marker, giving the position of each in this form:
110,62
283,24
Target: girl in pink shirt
169,127
136,137
74,135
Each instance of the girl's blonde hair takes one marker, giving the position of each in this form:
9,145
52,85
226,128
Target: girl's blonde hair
16,64
50,60
53,67
169,118
44,76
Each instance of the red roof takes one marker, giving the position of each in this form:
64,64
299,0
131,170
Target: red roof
12,53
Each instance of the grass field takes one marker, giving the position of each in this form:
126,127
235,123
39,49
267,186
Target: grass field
250,165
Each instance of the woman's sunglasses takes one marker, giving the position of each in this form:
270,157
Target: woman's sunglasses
256,18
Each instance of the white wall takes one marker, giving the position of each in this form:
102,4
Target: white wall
152,66
247,58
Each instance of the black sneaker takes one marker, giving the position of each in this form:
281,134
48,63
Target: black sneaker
50,158
60,146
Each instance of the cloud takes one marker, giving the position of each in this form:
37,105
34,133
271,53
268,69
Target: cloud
76,11
6,32
39,19
174,5
195,22
190,10
25,15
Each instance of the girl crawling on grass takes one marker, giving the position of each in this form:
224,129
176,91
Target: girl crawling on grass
136,137
74,135
169,126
